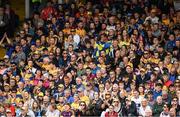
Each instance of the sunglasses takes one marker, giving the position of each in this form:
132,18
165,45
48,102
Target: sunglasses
82,104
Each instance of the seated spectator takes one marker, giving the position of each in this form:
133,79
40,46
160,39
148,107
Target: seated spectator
67,112
158,106
129,109
111,112
52,111
91,58
165,112
144,106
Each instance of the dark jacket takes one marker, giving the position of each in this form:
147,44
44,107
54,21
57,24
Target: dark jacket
130,111
157,109
96,109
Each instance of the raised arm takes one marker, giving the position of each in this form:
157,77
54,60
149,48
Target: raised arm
7,38
2,39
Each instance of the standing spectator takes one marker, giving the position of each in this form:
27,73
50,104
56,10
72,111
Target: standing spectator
12,20
37,21
48,12
4,22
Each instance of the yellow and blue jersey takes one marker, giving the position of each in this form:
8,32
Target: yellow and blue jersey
102,46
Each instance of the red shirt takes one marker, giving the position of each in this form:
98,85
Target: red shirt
112,114
12,108
48,12
168,83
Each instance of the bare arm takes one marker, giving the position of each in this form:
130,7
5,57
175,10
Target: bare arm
2,39
8,40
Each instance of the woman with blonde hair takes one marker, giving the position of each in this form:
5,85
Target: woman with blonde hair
27,99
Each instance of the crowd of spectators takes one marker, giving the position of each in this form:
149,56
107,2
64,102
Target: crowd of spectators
104,58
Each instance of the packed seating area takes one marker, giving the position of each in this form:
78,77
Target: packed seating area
108,58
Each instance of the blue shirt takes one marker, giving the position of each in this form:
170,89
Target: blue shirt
156,94
170,45
172,78
70,99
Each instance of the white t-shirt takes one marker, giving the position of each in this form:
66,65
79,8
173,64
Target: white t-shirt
164,115
55,113
137,101
142,111
76,38
152,19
